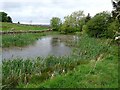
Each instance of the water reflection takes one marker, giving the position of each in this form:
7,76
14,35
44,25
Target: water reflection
49,45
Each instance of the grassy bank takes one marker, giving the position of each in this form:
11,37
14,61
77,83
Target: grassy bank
95,74
20,40
15,27
93,64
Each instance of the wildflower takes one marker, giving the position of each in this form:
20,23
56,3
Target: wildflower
118,37
52,75
63,71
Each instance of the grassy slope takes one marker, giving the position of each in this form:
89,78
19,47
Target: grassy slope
100,74
9,26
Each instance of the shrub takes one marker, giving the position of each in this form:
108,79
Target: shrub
97,26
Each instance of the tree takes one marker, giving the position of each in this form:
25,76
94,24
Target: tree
4,17
78,20
73,22
116,11
9,19
18,22
88,17
68,24
116,16
55,23
97,26
113,29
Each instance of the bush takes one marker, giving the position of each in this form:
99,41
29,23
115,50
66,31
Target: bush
97,26
112,29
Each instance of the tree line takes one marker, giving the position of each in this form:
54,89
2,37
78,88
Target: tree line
5,18
103,24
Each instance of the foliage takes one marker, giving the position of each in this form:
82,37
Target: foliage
55,23
116,15
20,40
113,29
95,74
116,11
34,72
88,17
73,22
5,18
97,26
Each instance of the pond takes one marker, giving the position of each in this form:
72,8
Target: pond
60,45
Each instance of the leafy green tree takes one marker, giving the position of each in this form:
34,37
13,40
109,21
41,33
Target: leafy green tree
68,24
9,19
97,26
55,23
113,29
4,17
73,22
78,20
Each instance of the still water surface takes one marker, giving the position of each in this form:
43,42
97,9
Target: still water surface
48,45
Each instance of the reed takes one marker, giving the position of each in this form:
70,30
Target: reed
32,72
21,40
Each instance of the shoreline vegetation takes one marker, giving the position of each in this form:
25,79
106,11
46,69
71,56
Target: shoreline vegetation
93,62
20,40
89,66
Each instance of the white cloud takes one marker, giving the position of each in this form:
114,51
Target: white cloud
41,11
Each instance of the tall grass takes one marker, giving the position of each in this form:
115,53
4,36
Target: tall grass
41,72
20,40
19,71
102,73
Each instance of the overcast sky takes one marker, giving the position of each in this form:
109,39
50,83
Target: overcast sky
41,11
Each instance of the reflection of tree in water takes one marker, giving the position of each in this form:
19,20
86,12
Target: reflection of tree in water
54,41
67,40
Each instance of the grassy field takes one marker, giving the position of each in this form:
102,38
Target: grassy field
15,27
93,64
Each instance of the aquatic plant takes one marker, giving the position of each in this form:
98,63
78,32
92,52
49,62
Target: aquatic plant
20,72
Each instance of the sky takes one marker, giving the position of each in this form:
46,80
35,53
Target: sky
41,11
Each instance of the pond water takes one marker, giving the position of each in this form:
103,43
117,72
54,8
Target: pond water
59,45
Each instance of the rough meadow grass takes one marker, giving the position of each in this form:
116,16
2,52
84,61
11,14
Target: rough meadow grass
15,27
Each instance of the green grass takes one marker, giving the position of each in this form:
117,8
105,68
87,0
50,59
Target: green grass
18,71
100,74
19,40
93,64
9,26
